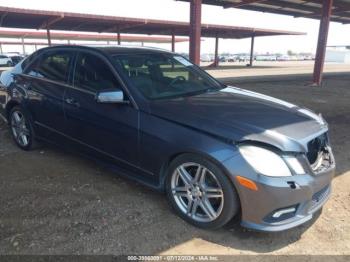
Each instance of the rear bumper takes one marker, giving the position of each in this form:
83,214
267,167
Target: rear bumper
306,194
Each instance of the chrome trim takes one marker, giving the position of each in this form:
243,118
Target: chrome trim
82,90
116,96
283,211
46,80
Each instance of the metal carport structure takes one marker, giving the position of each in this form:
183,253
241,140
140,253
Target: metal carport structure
49,20
325,10
78,37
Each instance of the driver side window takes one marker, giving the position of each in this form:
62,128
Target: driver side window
93,74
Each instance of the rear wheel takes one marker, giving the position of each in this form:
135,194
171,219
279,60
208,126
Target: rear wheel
21,128
200,192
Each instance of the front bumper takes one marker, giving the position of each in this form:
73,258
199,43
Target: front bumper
306,193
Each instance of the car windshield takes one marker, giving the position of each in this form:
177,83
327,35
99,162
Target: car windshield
161,75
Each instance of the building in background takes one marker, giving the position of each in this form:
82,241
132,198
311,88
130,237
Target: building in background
338,54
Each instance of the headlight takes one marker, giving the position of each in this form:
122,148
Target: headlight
295,165
264,161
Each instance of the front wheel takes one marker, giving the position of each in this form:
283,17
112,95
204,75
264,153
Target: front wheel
200,192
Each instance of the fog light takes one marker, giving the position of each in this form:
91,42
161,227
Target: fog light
281,212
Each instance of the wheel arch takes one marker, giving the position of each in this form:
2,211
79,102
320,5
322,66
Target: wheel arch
165,166
165,174
11,104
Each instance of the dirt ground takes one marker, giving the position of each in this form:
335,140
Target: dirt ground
273,68
55,202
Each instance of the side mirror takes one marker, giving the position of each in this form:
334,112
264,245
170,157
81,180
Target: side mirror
108,97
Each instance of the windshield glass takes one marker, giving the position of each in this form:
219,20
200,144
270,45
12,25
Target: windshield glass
161,75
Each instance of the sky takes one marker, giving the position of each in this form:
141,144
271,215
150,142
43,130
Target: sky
339,34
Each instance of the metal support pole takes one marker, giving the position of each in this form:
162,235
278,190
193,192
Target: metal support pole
216,57
1,48
36,47
23,46
48,36
68,41
251,51
195,30
119,38
322,41
173,41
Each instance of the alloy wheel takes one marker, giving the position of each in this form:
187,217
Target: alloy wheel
197,192
19,128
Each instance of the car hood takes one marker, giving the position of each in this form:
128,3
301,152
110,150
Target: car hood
240,115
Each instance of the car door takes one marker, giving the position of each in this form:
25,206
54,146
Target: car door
109,129
45,81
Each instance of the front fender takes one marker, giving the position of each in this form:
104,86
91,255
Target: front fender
162,140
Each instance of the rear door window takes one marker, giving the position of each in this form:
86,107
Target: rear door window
53,66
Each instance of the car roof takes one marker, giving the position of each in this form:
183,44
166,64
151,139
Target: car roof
111,50
130,49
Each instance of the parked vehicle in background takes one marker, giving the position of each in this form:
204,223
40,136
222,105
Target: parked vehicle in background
309,57
243,58
5,60
295,58
283,58
207,58
15,57
266,58
228,58
151,115
223,59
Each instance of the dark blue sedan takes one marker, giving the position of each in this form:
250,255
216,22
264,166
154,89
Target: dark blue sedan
151,115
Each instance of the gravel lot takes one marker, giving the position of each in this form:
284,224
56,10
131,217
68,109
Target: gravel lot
55,202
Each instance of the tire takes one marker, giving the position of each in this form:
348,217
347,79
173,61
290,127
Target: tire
21,125
190,200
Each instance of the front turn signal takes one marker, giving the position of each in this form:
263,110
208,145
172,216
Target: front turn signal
247,183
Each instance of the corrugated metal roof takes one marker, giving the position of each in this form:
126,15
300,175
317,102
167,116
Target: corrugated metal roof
296,8
37,19
86,37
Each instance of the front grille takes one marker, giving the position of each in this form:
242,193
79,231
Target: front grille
319,197
315,147
319,153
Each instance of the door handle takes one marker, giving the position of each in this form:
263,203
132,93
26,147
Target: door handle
72,101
